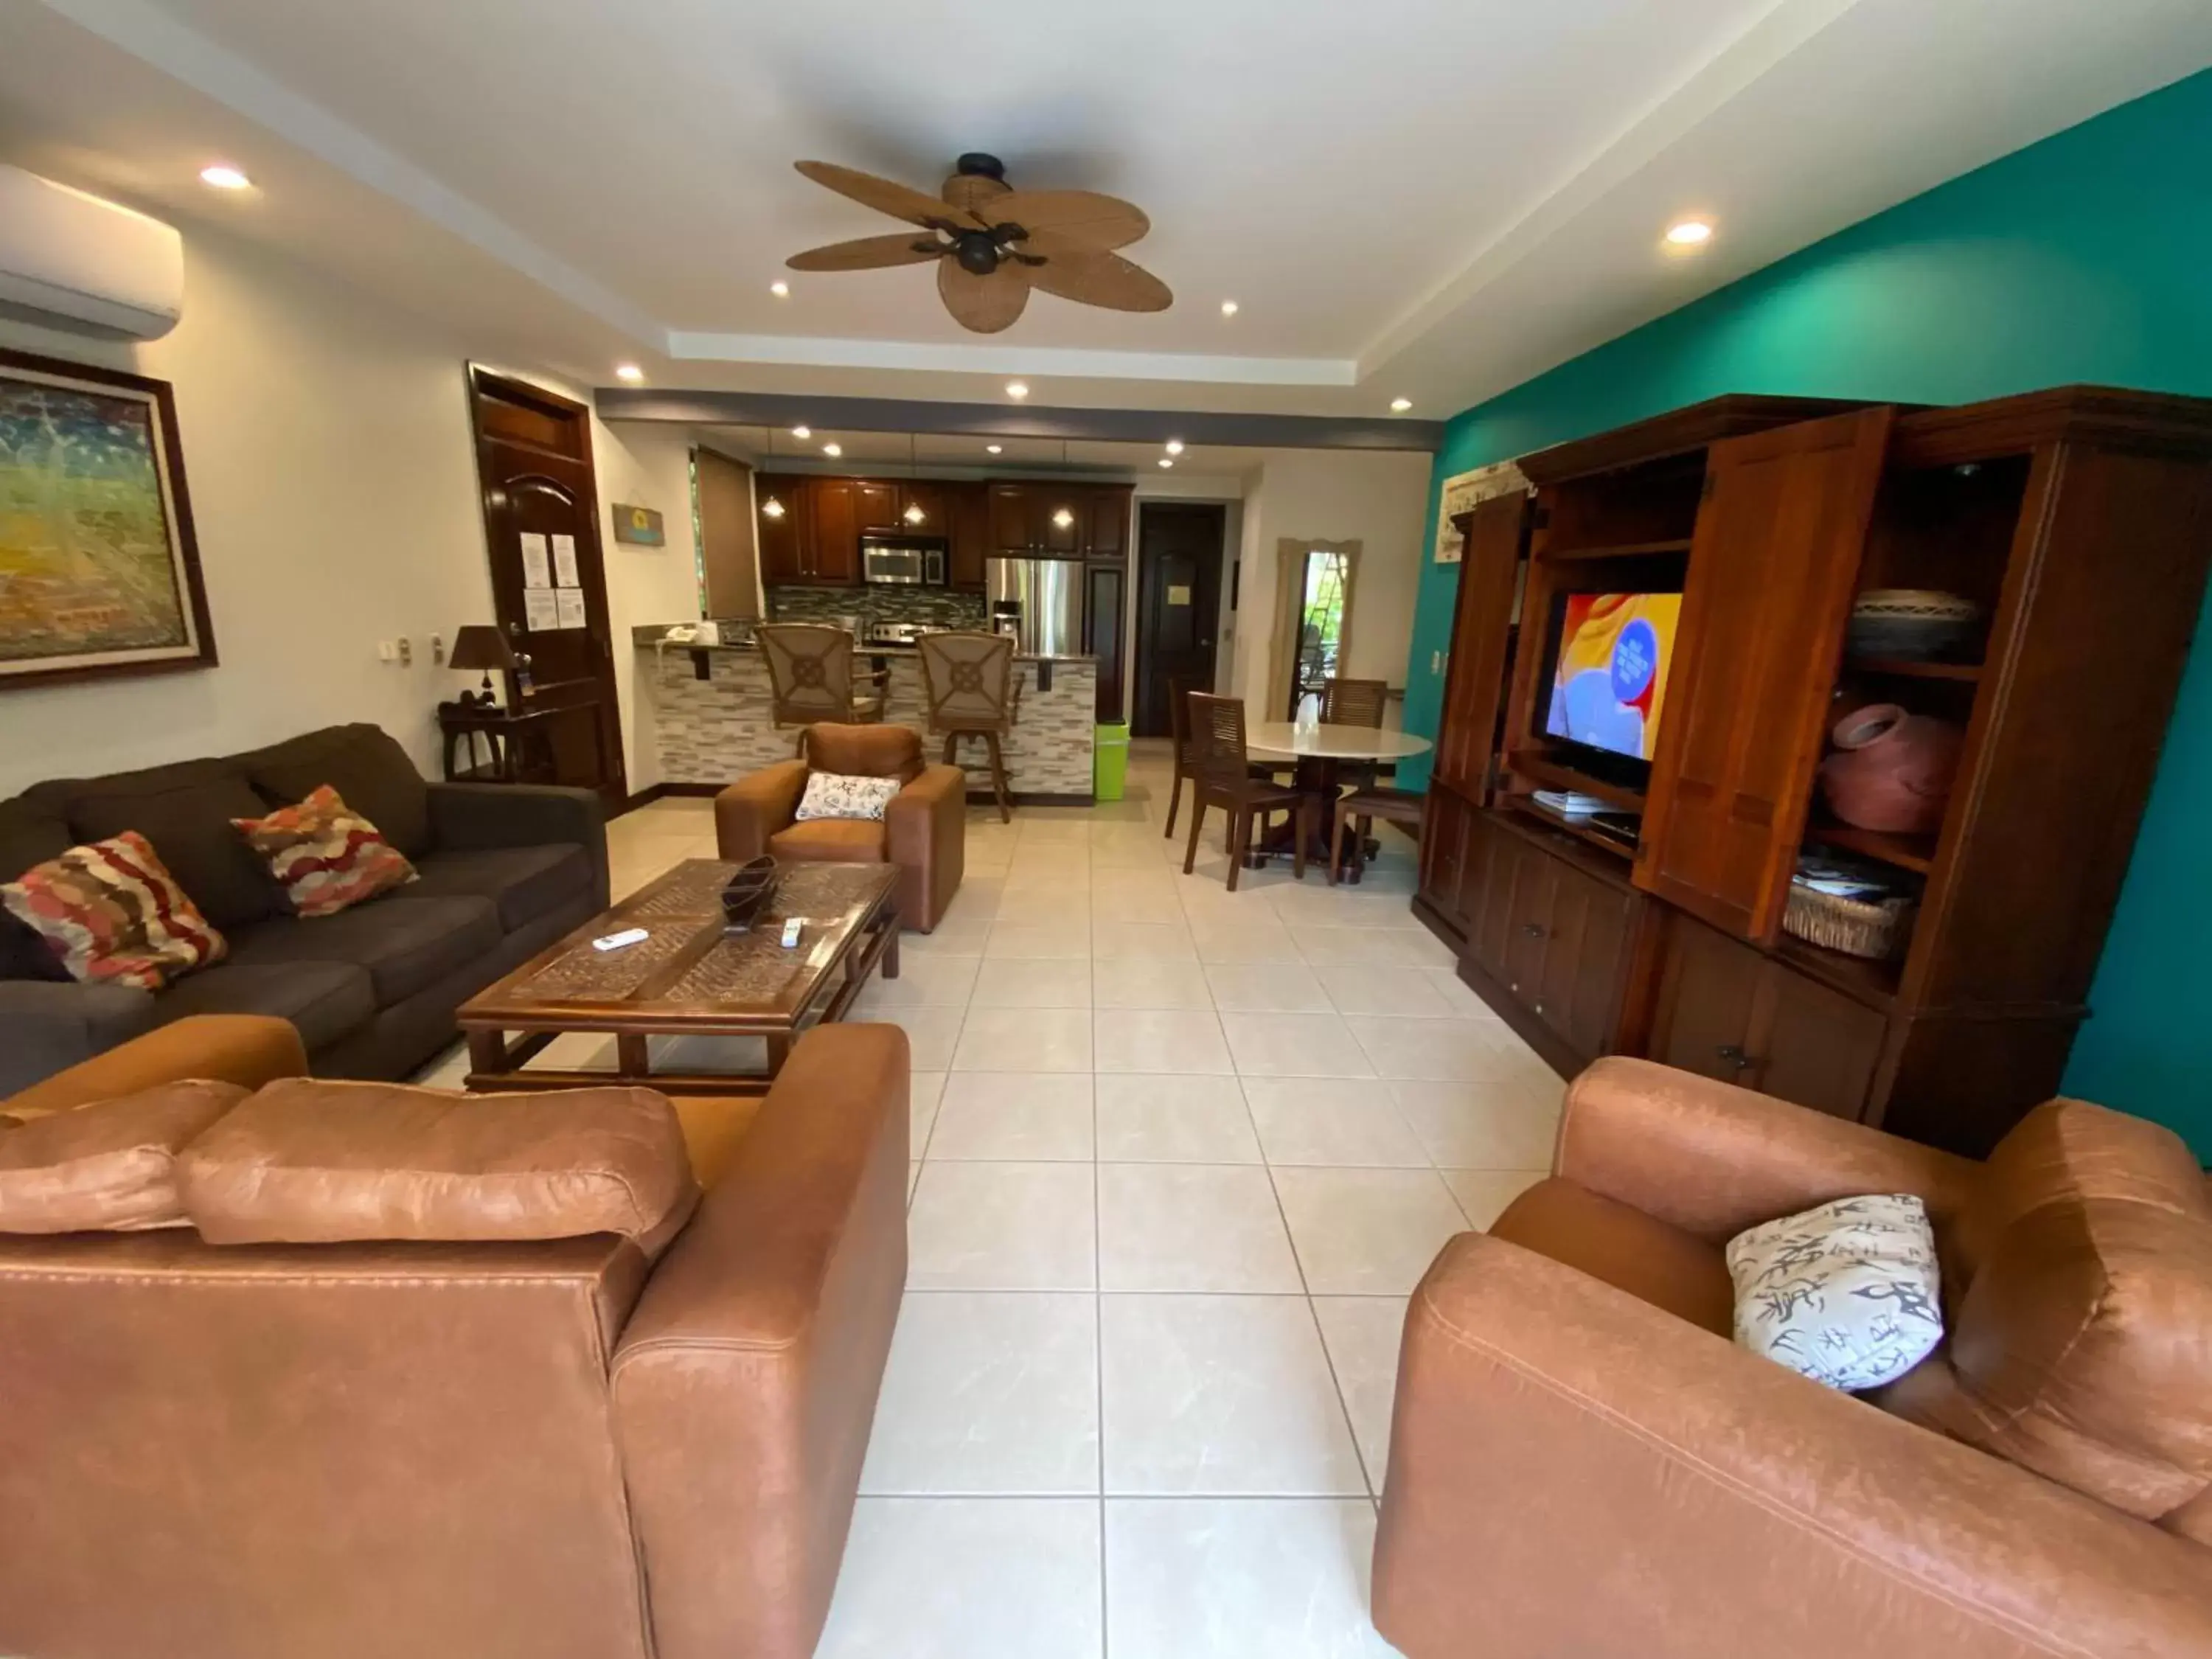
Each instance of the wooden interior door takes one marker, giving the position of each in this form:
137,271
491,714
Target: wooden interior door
1178,605
1482,630
534,464
1773,566
728,555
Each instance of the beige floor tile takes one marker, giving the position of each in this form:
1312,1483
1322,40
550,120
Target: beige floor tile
1483,1194
1033,982
1165,1119
1192,1227
927,979
1015,1115
1457,993
1480,1126
1046,905
1220,1395
1069,937
1133,982
1003,1227
1266,988
964,937
1330,1122
1350,947
1262,940
1366,1232
1437,1050
1363,1332
1159,907
1159,1040
923,1091
931,1032
1025,1039
1294,1045
1395,993
1142,941
989,1391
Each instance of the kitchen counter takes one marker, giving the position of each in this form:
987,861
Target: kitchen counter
655,639
713,721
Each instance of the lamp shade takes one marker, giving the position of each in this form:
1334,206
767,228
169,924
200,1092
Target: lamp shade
479,645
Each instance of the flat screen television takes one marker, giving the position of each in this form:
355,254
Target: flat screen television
1610,654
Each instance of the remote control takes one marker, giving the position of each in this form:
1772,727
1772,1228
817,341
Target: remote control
792,928
615,941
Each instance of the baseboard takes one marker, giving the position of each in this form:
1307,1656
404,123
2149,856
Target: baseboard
985,797
663,791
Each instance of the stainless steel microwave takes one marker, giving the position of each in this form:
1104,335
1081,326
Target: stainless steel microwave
900,562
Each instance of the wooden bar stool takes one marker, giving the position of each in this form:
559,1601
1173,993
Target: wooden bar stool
1399,806
810,677
968,680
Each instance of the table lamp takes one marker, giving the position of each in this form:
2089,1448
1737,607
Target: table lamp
479,645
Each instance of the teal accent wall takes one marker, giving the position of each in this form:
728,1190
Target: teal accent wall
2085,258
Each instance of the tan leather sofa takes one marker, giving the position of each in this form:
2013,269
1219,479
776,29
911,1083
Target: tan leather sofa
923,831
1582,1462
583,1447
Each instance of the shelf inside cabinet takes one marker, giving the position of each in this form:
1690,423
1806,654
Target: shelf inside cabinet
1589,834
1617,550
1902,668
1913,852
1541,768
1857,977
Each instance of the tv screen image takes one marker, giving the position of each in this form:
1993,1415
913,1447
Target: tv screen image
1609,674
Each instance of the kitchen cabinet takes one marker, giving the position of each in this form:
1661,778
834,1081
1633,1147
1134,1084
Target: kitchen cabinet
1105,597
876,506
836,539
1057,512
1106,524
1050,519
1010,519
921,508
968,533
783,505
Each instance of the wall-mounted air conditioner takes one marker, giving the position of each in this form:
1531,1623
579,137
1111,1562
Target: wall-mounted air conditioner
71,261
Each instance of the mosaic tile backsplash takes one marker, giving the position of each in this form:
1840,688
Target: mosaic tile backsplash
933,607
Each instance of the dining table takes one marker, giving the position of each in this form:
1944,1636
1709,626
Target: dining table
1318,753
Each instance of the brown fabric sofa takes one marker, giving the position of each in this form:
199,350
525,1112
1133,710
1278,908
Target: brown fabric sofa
923,831
583,1447
505,870
1583,1462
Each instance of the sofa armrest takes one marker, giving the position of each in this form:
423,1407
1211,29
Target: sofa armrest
247,1049
48,1025
469,816
757,806
1713,1159
745,1382
1573,1471
925,829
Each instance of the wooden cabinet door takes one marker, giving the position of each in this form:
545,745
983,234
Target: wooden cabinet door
1010,518
1773,566
1708,985
1486,889
923,496
1106,526
1105,603
834,553
1528,920
1060,512
1448,837
876,504
1585,957
1813,1045
1482,623
782,534
968,516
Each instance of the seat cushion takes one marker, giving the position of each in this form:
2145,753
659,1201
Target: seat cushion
364,764
523,883
835,841
325,1000
1676,1271
184,810
406,944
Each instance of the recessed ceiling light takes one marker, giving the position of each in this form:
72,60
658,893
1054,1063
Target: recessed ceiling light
833,450
629,372
1175,445
802,432
1166,461
1399,405
780,289
1017,390
1229,307
1690,233
996,449
225,177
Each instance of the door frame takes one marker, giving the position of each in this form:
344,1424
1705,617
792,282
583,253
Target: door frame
1140,676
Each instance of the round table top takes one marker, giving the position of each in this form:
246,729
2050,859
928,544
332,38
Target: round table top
1332,742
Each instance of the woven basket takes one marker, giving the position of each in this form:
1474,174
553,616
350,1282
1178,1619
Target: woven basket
1877,930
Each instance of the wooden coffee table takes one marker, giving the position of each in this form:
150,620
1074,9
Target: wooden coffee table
688,978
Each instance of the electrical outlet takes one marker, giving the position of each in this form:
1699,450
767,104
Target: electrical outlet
406,650
1435,662
387,652
437,650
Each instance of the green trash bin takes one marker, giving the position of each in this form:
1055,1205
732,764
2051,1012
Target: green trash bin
1109,769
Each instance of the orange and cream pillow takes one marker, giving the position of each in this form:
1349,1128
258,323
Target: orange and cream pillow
325,855
111,911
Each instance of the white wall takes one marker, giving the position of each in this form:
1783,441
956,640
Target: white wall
1379,499
641,464
333,486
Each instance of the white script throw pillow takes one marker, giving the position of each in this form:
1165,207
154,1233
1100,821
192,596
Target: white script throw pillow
835,795
1845,1293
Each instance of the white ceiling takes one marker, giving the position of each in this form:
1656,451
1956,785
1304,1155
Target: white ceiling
1432,198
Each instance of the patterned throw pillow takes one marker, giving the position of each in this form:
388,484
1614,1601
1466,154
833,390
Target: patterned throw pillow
1845,1293
326,856
835,795
112,913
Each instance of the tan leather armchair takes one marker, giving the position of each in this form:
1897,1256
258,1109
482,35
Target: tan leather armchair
569,1447
923,831
1583,1462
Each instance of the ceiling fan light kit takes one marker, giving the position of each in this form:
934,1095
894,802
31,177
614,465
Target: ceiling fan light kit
993,244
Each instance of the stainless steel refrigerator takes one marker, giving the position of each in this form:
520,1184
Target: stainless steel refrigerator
1049,592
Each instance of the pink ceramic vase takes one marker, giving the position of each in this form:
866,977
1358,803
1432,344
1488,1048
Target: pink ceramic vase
1892,770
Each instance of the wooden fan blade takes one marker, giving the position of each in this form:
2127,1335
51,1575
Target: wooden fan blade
881,194
970,191
1101,221
869,252
983,304
1092,276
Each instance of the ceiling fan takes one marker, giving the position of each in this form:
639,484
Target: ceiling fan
993,244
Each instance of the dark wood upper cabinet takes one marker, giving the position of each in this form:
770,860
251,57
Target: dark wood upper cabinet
1106,534
781,503
836,531
876,505
921,508
1058,513
1010,518
968,516
1774,564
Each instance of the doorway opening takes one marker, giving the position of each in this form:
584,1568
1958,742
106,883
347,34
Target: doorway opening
1320,599
1179,548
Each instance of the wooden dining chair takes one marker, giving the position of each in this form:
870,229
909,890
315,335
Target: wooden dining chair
1361,808
968,680
1357,702
1184,757
811,678
1222,776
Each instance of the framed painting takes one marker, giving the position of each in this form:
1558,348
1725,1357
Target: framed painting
99,573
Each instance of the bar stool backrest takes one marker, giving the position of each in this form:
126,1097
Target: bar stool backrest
810,671
968,679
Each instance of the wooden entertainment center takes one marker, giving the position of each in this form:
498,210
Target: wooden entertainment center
2079,521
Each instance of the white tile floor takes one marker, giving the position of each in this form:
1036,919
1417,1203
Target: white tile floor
1180,1155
